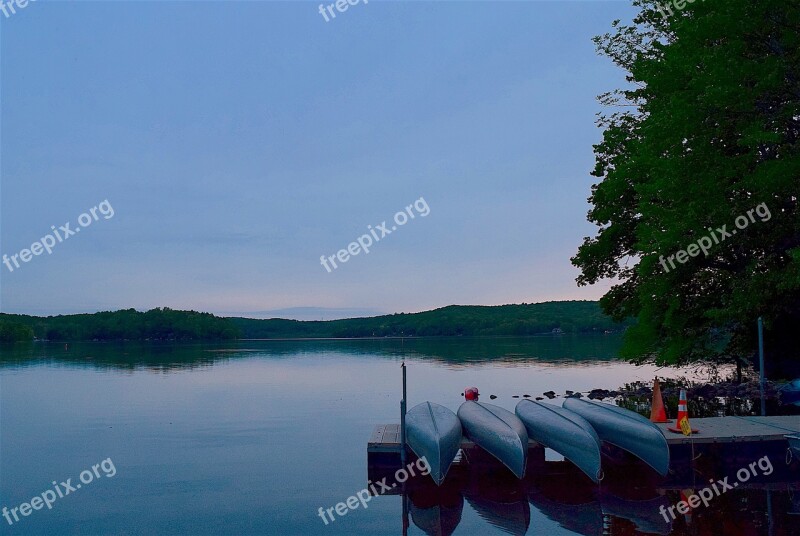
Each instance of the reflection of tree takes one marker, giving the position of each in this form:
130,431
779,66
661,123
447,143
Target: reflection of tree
453,351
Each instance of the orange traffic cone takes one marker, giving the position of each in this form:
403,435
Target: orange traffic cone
683,418
657,411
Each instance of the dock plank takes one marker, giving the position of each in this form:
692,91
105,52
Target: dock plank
788,423
377,434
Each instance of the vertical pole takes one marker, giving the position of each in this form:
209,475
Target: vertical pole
771,525
403,449
761,365
403,419
405,510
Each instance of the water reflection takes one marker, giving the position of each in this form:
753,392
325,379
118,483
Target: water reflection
580,507
262,434
644,514
499,499
436,511
576,512
456,352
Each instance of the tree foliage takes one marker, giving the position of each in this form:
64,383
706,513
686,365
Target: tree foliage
707,129
168,325
14,331
129,324
454,320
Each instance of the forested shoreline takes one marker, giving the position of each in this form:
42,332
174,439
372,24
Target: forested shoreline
454,320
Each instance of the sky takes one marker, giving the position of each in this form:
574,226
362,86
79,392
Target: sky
236,143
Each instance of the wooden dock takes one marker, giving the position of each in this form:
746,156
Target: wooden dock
385,438
735,430
725,439
722,444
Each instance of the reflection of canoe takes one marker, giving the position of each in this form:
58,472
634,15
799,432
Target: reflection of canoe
510,517
501,502
794,444
586,518
436,515
563,431
644,514
625,429
498,431
433,432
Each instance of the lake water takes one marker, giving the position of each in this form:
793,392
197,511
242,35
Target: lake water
255,437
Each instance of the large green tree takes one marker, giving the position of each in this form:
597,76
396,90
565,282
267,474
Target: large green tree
707,129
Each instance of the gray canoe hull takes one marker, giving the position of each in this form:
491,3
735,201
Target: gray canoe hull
625,429
433,432
565,432
498,431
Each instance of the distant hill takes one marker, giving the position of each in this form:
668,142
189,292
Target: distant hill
454,320
156,324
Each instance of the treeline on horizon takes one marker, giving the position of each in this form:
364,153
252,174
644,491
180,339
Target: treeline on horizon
172,325
128,324
453,320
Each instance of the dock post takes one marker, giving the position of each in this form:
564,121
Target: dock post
403,419
761,365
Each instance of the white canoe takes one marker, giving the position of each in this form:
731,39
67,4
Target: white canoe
433,432
497,431
565,432
626,429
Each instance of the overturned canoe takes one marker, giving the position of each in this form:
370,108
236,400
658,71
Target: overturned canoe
433,432
565,432
497,431
625,429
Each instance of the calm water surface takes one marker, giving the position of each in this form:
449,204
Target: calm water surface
254,437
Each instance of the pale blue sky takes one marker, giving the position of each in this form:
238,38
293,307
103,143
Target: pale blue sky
238,142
